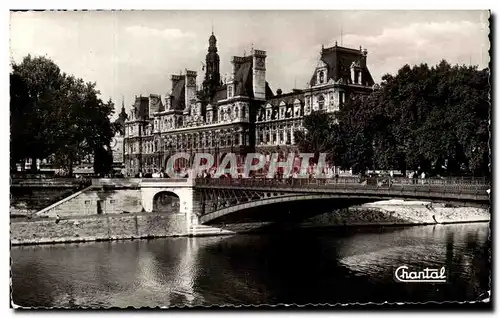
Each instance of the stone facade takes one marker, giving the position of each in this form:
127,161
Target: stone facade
240,114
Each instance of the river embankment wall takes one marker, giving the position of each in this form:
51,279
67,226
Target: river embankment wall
97,228
151,225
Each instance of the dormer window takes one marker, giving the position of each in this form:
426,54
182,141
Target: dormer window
321,77
229,91
282,109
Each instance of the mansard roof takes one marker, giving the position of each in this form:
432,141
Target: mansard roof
141,108
243,79
269,91
338,61
156,102
178,93
220,94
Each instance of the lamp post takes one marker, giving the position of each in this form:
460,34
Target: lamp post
232,142
158,149
217,153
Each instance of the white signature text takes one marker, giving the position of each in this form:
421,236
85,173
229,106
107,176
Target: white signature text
428,275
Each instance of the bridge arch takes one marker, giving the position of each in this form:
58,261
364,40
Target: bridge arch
166,202
274,198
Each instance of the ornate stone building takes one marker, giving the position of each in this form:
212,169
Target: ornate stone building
241,115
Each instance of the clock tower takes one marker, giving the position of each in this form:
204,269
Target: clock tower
212,75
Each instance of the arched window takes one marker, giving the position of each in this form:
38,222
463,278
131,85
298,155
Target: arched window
244,111
321,102
321,77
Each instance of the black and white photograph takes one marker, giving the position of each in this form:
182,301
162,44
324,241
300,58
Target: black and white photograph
231,158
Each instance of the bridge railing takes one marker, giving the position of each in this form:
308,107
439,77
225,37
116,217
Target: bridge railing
439,181
353,183
153,180
54,182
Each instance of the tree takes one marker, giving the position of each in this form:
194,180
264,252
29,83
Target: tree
19,101
434,120
57,115
316,137
35,84
86,127
353,136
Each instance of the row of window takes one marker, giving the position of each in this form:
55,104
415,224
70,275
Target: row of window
224,114
285,137
191,142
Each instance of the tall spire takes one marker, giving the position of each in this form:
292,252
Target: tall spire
212,42
212,63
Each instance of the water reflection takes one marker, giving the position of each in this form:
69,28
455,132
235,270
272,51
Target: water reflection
326,266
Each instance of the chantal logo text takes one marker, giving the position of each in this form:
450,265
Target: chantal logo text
428,275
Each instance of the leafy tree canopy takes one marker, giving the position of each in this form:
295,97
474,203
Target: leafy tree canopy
56,115
426,119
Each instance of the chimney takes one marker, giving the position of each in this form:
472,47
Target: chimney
154,104
190,88
259,74
236,61
175,80
363,58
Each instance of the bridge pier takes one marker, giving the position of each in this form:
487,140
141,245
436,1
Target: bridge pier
190,207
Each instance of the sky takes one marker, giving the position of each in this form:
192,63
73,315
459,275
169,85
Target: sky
130,53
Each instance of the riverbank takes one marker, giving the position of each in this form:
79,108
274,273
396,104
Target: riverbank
156,225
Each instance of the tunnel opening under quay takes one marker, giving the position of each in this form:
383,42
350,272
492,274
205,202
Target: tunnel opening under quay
166,202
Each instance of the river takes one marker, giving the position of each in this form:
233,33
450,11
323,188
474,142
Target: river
295,267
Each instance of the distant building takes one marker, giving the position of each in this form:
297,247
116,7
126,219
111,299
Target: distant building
241,115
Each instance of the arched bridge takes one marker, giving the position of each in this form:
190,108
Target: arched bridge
223,196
